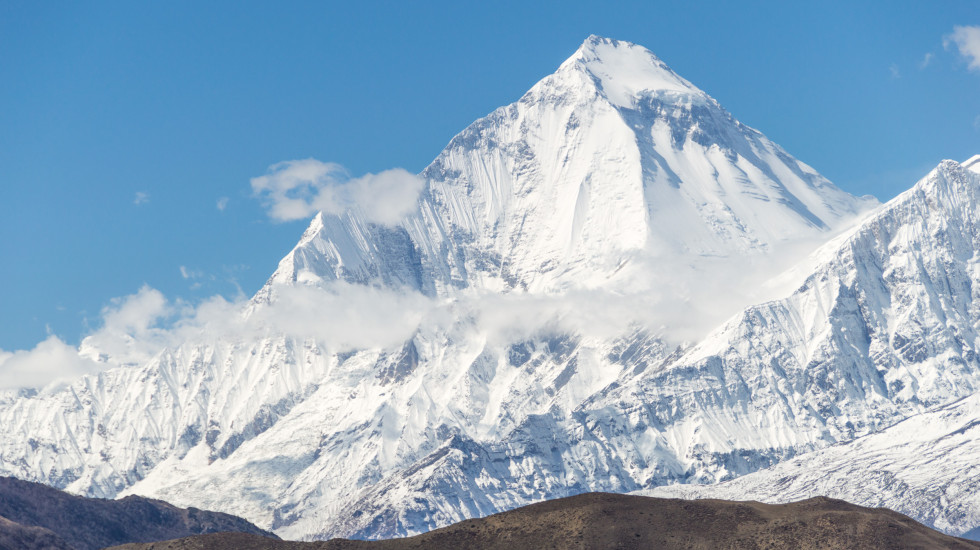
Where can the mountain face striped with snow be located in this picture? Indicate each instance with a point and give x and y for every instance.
(612, 162)
(880, 330)
(579, 305)
(925, 466)
(921, 334)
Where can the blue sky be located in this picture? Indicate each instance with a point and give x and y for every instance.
(129, 131)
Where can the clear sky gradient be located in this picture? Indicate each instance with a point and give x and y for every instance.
(129, 131)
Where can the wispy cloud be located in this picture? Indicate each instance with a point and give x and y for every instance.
(142, 197)
(926, 60)
(343, 317)
(195, 276)
(131, 331)
(137, 327)
(297, 189)
(338, 316)
(680, 301)
(967, 42)
(893, 69)
(222, 204)
(188, 273)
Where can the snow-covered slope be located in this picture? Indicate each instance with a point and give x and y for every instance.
(881, 330)
(925, 467)
(924, 323)
(558, 245)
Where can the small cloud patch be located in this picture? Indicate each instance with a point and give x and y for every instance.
(50, 362)
(966, 39)
(297, 189)
(926, 60)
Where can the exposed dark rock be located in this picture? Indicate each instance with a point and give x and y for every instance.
(17, 536)
(35, 516)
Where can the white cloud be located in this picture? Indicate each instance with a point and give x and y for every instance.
(679, 301)
(131, 331)
(50, 362)
(142, 197)
(967, 41)
(893, 69)
(343, 316)
(297, 189)
(197, 277)
(188, 273)
(926, 60)
(222, 203)
(136, 313)
(339, 316)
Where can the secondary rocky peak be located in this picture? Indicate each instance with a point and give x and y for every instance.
(951, 184)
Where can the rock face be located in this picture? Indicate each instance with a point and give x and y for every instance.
(34, 516)
(21, 537)
(586, 281)
(598, 520)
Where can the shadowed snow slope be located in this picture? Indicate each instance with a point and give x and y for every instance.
(563, 250)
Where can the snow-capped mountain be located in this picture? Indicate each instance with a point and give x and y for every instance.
(609, 164)
(880, 330)
(924, 466)
(555, 292)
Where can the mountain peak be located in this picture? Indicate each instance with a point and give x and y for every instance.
(950, 185)
(950, 173)
(625, 71)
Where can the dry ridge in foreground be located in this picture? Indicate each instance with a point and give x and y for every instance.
(603, 520)
(37, 517)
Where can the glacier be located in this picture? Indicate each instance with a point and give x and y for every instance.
(610, 284)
